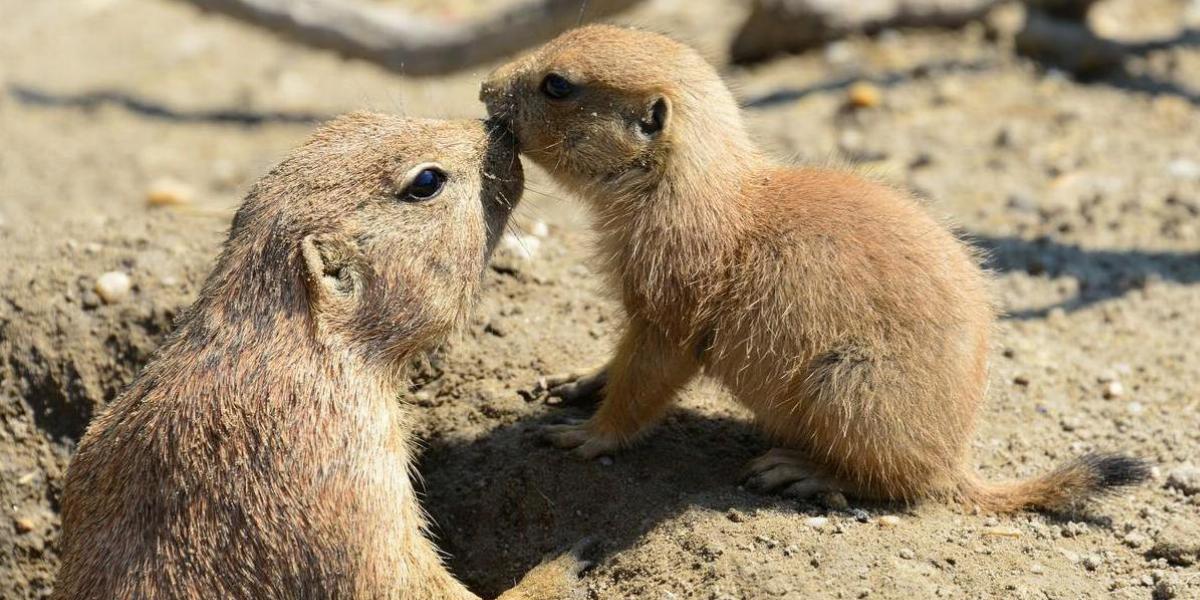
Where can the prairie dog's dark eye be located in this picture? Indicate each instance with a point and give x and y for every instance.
(557, 87)
(425, 186)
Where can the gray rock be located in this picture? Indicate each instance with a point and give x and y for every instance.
(1185, 478)
(1178, 543)
(776, 26)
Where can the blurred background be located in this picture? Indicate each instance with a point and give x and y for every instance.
(1061, 137)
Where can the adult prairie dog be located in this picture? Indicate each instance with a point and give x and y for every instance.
(262, 453)
(851, 323)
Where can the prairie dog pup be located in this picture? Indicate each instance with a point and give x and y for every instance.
(262, 453)
(851, 323)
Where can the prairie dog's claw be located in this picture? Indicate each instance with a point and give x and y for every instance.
(576, 389)
(579, 437)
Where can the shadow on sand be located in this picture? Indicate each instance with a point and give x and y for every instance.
(504, 500)
(87, 101)
(1102, 274)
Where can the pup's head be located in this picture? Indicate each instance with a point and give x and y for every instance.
(378, 229)
(600, 107)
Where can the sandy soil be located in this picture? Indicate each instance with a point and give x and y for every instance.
(1086, 196)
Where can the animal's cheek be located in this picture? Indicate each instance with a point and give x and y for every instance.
(530, 127)
(547, 136)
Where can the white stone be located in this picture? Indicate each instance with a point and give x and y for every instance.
(1184, 169)
(1114, 389)
(816, 522)
(113, 287)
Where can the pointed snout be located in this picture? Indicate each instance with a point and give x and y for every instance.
(497, 92)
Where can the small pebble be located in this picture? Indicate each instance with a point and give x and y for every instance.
(1092, 562)
(889, 521)
(1135, 408)
(1008, 532)
(907, 554)
(1073, 529)
(1185, 478)
(1134, 539)
(1113, 389)
(23, 524)
(1037, 569)
(1021, 380)
(861, 515)
(113, 287)
(169, 192)
(1183, 168)
(89, 300)
(816, 522)
(606, 461)
(840, 53)
(864, 95)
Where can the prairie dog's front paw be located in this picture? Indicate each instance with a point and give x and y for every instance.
(578, 435)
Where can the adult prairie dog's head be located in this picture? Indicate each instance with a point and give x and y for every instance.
(606, 108)
(376, 232)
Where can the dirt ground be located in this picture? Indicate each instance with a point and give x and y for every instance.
(1086, 196)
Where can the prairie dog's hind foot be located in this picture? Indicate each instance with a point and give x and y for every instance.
(786, 472)
(575, 389)
(580, 437)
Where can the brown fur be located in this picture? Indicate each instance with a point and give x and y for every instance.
(263, 453)
(849, 321)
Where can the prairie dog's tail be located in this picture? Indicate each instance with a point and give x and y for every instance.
(1069, 485)
(557, 578)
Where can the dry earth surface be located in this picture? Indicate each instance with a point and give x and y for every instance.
(1087, 197)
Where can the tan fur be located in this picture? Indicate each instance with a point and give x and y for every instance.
(849, 321)
(263, 453)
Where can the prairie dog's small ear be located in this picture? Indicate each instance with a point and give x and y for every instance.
(334, 268)
(658, 113)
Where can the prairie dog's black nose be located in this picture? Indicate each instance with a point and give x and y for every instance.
(496, 92)
(494, 95)
(487, 91)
